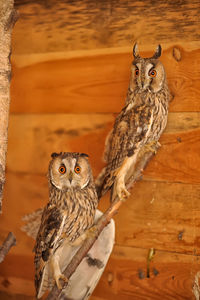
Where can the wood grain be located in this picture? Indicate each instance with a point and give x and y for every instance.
(8, 296)
(171, 276)
(49, 26)
(164, 216)
(96, 82)
(176, 161)
(7, 20)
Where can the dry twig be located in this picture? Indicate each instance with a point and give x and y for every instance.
(7, 244)
(8, 17)
(102, 222)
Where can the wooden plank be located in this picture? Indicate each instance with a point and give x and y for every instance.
(66, 25)
(163, 216)
(125, 277)
(45, 134)
(171, 276)
(8, 296)
(15, 285)
(160, 215)
(95, 82)
(32, 138)
(23, 194)
(177, 159)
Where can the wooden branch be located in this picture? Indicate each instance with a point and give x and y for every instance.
(7, 244)
(102, 222)
(8, 17)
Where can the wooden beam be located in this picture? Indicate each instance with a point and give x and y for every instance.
(159, 215)
(177, 160)
(171, 276)
(96, 82)
(51, 26)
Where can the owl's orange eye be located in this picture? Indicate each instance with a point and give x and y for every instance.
(62, 169)
(77, 169)
(152, 73)
(136, 72)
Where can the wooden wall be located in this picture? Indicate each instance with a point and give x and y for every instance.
(71, 62)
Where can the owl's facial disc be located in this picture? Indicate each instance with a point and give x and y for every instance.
(148, 75)
(70, 172)
(77, 173)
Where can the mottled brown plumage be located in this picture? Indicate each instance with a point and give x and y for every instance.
(66, 218)
(138, 126)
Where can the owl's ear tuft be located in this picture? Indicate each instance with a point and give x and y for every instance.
(54, 154)
(135, 51)
(84, 155)
(157, 54)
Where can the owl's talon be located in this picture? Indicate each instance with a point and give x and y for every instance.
(152, 147)
(60, 277)
(123, 194)
(92, 231)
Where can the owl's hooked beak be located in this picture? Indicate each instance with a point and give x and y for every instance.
(70, 177)
(143, 85)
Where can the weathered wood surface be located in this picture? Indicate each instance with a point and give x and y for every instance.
(7, 20)
(162, 212)
(49, 26)
(6, 296)
(9, 242)
(158, 215)
(96, 82)
(34, 137)
(171, 276)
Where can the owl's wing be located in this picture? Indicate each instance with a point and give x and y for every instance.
(47, 241)
(131, 130)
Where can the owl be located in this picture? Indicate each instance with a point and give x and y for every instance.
(138, 126)
(66, 219)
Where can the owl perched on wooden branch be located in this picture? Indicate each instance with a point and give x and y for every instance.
(139, 125)
(67, 218)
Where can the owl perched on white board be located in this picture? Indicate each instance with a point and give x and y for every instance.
(65, 222)
(138, 126)
(66, 218)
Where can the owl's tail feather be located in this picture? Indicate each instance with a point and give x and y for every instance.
(45, 283)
